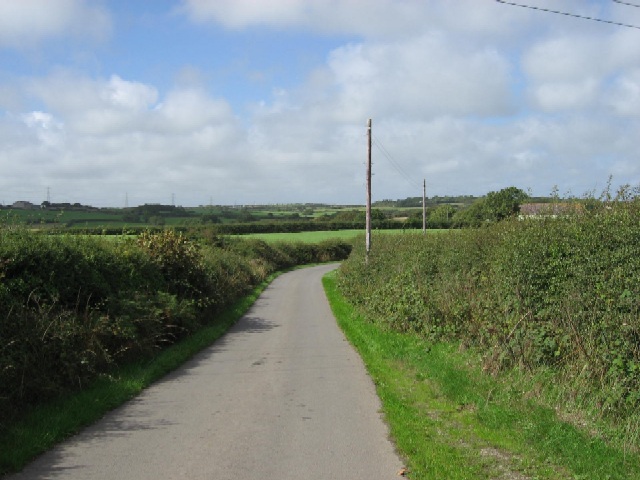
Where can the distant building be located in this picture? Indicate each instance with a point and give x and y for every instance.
(23, 205)
(553, 210)
(67, 206)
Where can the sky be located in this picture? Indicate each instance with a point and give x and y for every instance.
(116, 103)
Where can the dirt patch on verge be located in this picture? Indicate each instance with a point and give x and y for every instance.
(503, 464)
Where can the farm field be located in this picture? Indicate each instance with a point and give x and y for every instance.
(85, 217)
(252, 218)
(441, 213)
(315, 237)
(304, 237)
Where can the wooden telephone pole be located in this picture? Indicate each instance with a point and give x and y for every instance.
(368, 213)
(424, 206)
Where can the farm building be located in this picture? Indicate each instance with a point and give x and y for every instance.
(23, 205)
(538, 210)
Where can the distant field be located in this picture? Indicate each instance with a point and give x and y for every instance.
(224, 219)
(305, 237)
(315, 237)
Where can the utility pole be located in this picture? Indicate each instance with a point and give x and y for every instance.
(368, 213)
(424, 206)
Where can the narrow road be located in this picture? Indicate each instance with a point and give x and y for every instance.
(281, 396)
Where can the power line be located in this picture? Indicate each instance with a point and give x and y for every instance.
(627, 3)
(575, 15)
(395, 164)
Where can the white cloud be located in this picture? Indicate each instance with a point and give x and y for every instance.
(624, 94)
(245, 12)
(552, 96)
(574, 71)
(38, 119)
(97, 139)
(192, 109)
(334, 16)
(372, 18)
(431, 84)
(422, 77)
(473, 96)
(28, 22)
(48, 130)
(95, 106)
(129, 95)
(565, 58)
(10, 98)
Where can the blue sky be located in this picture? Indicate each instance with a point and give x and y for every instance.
(266, 101)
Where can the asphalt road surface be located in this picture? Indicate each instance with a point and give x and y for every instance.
(281, 396)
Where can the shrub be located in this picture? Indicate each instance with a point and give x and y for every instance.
(561, 293)
(73, 307)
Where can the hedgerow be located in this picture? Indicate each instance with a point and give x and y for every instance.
(555, 293)
(74, 307)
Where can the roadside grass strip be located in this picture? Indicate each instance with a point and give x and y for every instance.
(39, 429)
(449, 420)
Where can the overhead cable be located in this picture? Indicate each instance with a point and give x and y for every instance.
(394, 163)
(627, 3)
(575, 15)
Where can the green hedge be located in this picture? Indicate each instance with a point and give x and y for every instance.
(555, 293)
(73, 307)
(267, 227)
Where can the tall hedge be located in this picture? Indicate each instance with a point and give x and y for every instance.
(561, 293)
(73, 307)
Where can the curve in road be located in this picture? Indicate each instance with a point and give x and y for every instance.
(281, 396)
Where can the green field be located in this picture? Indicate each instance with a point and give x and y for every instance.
(306, 216)
(315, 237)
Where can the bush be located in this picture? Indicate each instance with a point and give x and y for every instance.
(73, 307)
(179, 263)
(558, 293)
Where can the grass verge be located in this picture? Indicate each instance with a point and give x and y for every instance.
(449, 420)
(42, 427)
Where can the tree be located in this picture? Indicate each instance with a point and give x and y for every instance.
(503, 204)
(471, 216)
(246, 215)
(442, 214)
(495, 206)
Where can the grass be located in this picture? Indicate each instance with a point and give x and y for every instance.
(42, 427)
(315, 237)
(59, 216)
(305, 237)
(451, 421)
